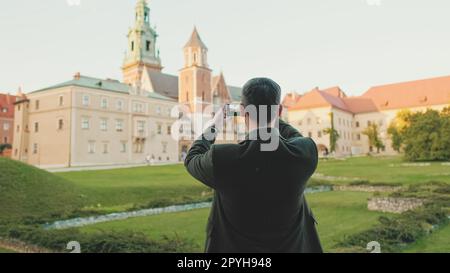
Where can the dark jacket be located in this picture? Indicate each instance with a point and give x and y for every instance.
(259, 203)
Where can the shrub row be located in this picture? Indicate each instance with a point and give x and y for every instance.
(99, 242)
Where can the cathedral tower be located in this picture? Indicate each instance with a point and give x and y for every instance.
(195, 77)
(141, 51)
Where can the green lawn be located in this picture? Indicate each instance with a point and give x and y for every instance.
(338, 214)
(3, 250)
(383, 169)
(437, 242)
(122, 189)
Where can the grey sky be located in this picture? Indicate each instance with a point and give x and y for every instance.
(299, 43)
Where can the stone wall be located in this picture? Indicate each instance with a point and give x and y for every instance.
(394, 205)
(365, 188)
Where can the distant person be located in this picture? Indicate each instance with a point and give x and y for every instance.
(147, 160)
(259, 203)
(152, 160)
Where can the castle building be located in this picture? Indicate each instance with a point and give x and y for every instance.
(90, 121)
(318, 110)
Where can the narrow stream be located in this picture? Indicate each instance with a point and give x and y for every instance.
(80, 222)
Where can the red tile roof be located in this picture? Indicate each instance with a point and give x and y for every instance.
(426, 92)
(319, 98)
(7, 102)
(411, 94)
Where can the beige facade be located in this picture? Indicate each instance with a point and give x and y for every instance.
(81, 126)
(311, 113)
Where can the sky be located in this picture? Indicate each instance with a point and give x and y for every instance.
(301, 44)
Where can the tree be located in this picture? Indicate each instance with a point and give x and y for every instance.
(4, 147)
(427, 137)
(397, 128)
(334, 135)
(374, 139)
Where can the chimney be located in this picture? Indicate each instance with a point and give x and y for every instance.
(8, 98)
(19, 92)
(77, 76)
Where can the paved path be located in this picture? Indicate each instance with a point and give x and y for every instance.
(105, 167)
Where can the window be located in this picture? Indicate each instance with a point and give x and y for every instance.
(105, 147)
(358, 136)
(119, 125)
(104, 103)
(104, 124)
(36, 105)
(147, 45)
(369, 123)
(61, 100)
(6, 126)
(132, 46)
(123, 146)
(169, 130)
(36, 127)
(18, 128)
(5, 140)
(91, 147)
(85, 100)
(85, 123)
(120, 105)
(18, 107)
(164, 145)
(35, 148)
(158, 110)
(5, 110)
(357, 124)
(60, 124)
(138, 108)
(141, 126)
(309, 134)
(319, 134)
(159, 129)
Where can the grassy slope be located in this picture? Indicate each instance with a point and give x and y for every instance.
(121, 189)
(437, 242)
(379, 169)
(26, 191)
(2, 250)
(338, 214)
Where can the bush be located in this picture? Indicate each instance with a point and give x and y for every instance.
(100, 242)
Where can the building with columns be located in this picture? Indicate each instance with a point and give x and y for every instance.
(90, 121)
(318, 110)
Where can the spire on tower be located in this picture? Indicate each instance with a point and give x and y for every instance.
(195, 40)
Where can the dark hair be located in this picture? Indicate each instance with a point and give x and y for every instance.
(262, 92)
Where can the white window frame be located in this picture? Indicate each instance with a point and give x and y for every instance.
(85, 100)
(104, 124)
(104, 103)
(85, 123)
(119, 105)
(91, 147)
(119, 125)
